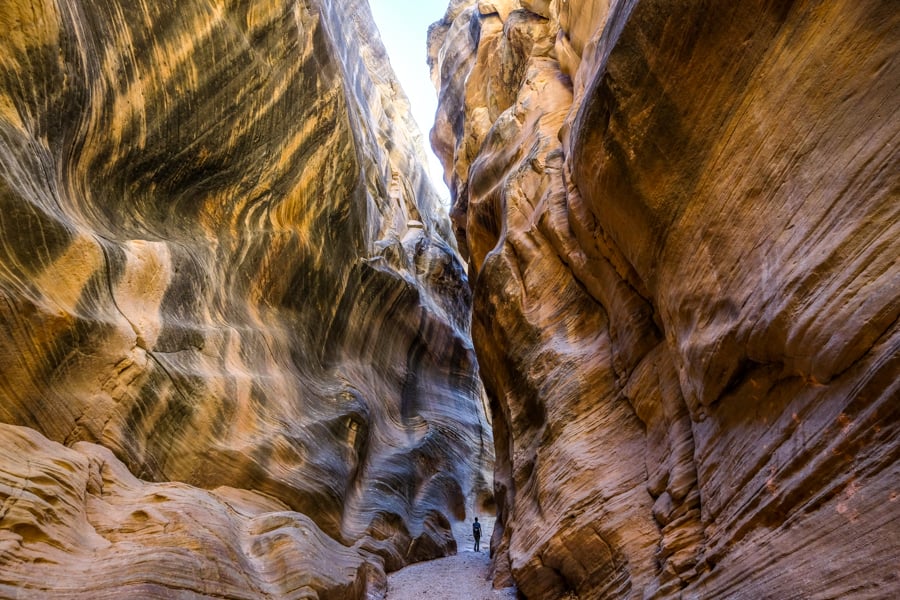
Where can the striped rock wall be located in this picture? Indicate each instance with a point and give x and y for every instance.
(682, 222)
(235, 355)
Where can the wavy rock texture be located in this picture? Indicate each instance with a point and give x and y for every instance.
(221, 260)
(122, 537)
(682, 224)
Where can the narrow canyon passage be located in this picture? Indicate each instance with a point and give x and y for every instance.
(463, 576)
(245, 352)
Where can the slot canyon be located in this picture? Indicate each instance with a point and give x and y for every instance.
(247, 352)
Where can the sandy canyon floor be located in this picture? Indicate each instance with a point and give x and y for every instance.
(464, 576)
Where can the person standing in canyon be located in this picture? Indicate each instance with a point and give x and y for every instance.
(476, 531)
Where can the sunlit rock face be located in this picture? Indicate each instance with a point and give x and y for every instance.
(222, 265)
(682, 225)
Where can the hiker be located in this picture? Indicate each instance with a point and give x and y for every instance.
(476, 531)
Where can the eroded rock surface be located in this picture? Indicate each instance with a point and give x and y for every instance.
(222, 265)
(682, 223)
(77, 522)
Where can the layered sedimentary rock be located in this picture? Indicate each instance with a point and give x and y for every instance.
(78, 524)
(224, 273)
(682, 223)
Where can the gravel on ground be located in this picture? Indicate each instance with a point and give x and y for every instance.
(464, 576)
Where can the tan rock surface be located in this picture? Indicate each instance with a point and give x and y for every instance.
(78, 524)
(222, 261)
(682, 224)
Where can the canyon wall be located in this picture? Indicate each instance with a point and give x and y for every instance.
(682, 224)
(235, 355)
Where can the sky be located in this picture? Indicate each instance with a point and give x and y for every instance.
(404, 26)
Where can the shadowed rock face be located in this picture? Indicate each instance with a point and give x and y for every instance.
(222, 265)
(682, 225)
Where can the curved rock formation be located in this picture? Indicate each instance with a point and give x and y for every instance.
(78, 525)
(221, 260)
(682, 225)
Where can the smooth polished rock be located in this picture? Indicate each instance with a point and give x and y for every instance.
(682, 228)
(221, 260)
(77, 524)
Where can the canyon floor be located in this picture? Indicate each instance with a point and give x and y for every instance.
(463, 576)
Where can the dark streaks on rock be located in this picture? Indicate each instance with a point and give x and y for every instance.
(222, 261)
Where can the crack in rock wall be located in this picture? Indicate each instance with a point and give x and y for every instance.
(223, 271)
(682, 223)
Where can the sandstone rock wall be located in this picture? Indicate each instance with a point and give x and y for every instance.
(681, 222)
(222, 265)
